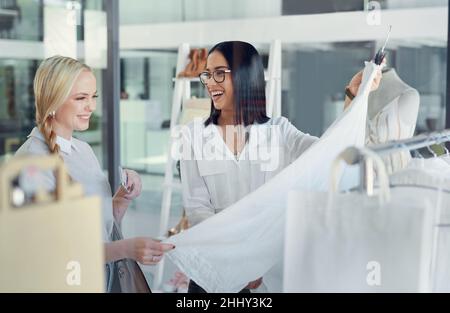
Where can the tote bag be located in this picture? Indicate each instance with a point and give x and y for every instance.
(356, 243)
(54, 244)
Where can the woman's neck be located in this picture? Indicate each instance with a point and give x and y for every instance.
(62, 131)
(226, 118)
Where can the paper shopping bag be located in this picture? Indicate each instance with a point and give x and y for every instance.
(54, 244)
(357, 243)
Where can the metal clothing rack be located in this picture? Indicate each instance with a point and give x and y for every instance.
(414, 143)
(355, 156)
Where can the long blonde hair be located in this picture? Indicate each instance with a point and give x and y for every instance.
(53, 83)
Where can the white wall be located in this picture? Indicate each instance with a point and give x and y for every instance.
(158, 11)
(394, 4)
(408, 24)
(149, 11)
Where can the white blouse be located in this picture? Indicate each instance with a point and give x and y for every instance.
(385, 126)
(83, 167)
(213, 178)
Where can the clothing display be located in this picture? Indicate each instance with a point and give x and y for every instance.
(244, 241)
(392, 115)
(197, 63)
(242, 149)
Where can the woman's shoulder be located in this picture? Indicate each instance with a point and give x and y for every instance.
(279, 121)
(84, 148)
(33, 146)
(80, 144)
(283, 126)
(197, 123)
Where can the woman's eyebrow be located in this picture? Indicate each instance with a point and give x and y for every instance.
(218, 67)
(84, 94)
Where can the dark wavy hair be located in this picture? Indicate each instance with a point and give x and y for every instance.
(247, 72)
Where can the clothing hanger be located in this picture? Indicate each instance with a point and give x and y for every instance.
(417, 153)
(418, 186)
(356, 189)
(420, 157)
(432, 152)
(447, 153)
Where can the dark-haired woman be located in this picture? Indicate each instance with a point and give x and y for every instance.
(238, 148)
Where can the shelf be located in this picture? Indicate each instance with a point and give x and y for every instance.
(8, 12)
(191, 79)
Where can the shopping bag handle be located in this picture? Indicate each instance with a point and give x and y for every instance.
(354, 155)
(12, 168)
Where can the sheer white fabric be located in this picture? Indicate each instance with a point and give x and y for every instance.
(386, 126)
(244, 241)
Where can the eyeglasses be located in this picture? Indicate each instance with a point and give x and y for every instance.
(217, 75)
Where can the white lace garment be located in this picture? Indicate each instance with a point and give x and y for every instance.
(244, 241)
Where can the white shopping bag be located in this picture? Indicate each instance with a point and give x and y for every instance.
(355, 243)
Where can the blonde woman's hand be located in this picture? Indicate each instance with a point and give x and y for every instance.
(123, 197)
(146, 251)
(134, 185)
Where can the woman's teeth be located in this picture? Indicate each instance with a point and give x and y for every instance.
(216, 94)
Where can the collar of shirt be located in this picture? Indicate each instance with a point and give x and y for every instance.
(260, 138)
(65, 145)
(259, 134)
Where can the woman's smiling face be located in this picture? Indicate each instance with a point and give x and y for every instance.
(221, 93)
(75, 113)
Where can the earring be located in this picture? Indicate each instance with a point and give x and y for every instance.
(52, 114)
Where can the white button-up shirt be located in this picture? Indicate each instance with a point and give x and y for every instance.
(213, 178)
(83, 167)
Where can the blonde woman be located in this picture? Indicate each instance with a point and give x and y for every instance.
(65, 98)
